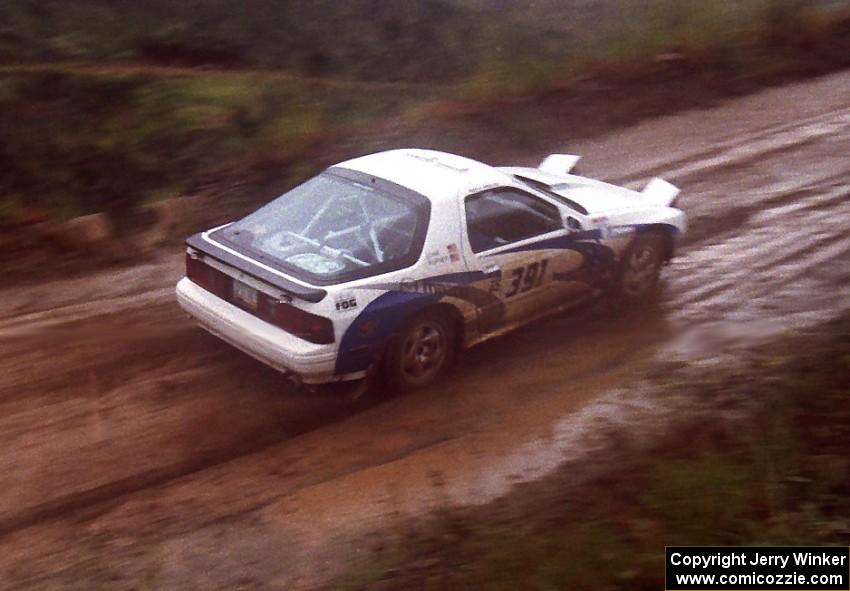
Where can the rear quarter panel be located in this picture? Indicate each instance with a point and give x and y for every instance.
(383, 303)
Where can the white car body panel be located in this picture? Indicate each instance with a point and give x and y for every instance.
(555, 269)
(263, 341)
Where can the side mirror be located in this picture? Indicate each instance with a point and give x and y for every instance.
(572, 223)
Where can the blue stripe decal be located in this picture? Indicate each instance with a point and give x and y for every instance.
(381, 318)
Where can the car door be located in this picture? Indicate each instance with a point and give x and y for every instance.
(514, 244)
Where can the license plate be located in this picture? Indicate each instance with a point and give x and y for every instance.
(245, 295)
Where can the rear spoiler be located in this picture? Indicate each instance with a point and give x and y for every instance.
(558, 163)
(289, 287)
(660, 192)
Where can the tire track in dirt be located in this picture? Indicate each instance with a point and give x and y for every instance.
(734, 269)
(748, 148)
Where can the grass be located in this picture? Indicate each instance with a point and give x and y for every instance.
(778, 474)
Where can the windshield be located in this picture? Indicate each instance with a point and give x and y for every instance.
(333, 229)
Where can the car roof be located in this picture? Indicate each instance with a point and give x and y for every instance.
(440, 176)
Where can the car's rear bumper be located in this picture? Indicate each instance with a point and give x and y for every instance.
(305, 361)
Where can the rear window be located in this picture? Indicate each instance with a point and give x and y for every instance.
(334, 228)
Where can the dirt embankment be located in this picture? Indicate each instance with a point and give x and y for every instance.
(172, 460)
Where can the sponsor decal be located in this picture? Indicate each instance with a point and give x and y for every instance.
(617, 231)
(437, 257)
(425, 286)
(346, 303)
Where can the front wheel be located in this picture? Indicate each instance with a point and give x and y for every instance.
(420, 352)
(641, 267)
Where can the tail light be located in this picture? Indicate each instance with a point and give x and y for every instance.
(310, 327)
(209, 278)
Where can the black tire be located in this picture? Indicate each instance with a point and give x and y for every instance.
(640, 268)
(420, 352)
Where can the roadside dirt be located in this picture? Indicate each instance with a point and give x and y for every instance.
(139, 451)
(710, 466)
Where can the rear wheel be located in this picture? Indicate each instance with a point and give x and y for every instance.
(421, 351)
(641, 266)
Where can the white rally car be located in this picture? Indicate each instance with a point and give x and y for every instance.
(397, 260)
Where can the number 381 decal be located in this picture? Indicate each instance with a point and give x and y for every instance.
(526, 278)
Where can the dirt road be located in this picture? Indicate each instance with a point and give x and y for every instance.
(139, 451)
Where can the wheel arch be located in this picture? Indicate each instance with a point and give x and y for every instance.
(388, 360)
(443, 308)
(454, 314)
(668, 234)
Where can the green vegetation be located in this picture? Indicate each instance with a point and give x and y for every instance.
(358, 39)
(779, 474)
(105, 104)
(81, 140)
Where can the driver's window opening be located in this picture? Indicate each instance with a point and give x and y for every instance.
(499, 217)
